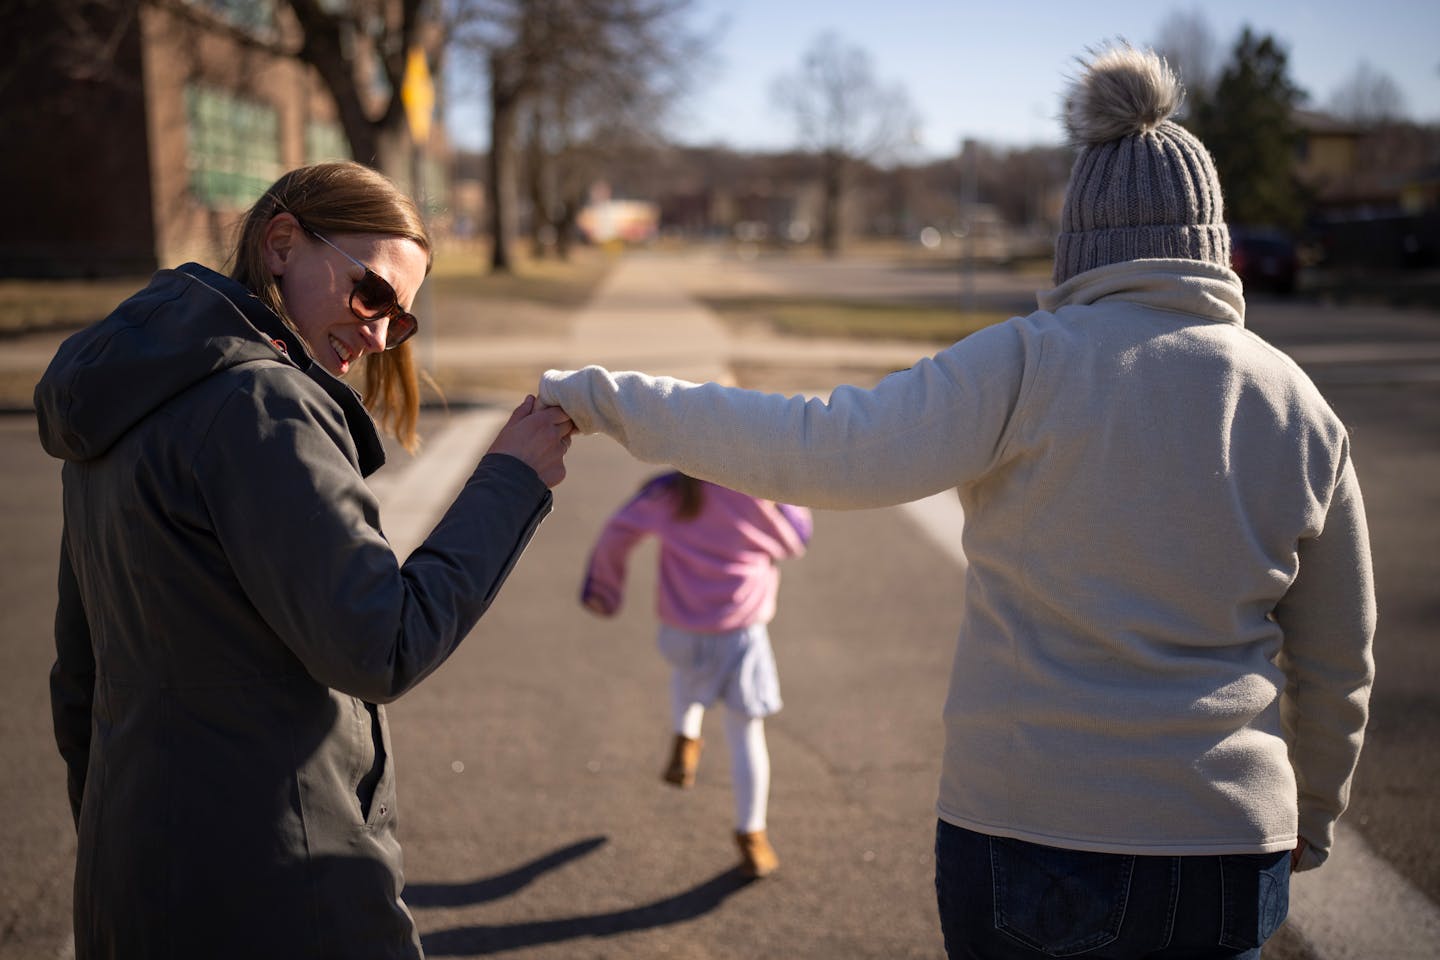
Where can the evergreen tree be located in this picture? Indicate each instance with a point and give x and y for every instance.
(1248, 123)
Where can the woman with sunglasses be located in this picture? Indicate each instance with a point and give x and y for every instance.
(230, 614)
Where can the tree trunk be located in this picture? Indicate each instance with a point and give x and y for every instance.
(324, 49)
(832, 226)
(565, 230)
(501, 185)
(537, 177)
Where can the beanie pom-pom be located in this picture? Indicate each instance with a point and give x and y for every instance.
(1122, 91)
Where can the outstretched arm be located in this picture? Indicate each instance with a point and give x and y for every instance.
(324, 578)
(603, 592)
(936, 425)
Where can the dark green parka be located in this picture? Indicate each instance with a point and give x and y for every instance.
(230, 616)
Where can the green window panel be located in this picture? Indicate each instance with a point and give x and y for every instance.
(254, 15)
(234, 146)
(325, 141)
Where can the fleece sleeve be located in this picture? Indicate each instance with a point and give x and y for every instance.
(605, 574)
(800, 520)
(1328, 619)
(791, 527)
(934, 426)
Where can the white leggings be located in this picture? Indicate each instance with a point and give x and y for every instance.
(749, 756)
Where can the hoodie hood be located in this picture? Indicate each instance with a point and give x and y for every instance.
(1181, 286)
(188, 324)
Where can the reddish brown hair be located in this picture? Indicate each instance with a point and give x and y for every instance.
(343, 197)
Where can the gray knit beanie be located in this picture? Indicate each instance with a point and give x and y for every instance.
(1142, 185)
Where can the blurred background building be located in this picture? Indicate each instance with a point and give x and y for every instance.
(142, 130)
(139, 130)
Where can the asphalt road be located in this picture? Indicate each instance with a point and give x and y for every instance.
(533, 816)
(1380, 370)
(532, 813)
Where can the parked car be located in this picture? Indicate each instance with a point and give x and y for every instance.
(1264, 259)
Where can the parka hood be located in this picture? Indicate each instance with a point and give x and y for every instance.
(188, 324)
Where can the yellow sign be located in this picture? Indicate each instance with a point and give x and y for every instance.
(417, 93)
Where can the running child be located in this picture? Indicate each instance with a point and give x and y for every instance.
(718, 583)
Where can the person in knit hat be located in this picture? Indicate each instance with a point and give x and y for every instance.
(1161, 682)
(1142, 187)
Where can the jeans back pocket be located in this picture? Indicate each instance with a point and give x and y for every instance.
(1256, 897)
(1060, 902)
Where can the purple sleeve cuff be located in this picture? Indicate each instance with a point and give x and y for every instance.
(801, 519)
(609, 599)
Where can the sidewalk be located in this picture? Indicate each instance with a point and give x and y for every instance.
(644, 317)
(22, 361)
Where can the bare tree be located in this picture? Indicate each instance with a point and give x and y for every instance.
(575, 55)
(81, 40)
(1188, 44)
(1368, 97)
(333, 34)
(605, 104)
(565, 150)
(337, 39)
(845, 114)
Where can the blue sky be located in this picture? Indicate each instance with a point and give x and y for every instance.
(994, 69)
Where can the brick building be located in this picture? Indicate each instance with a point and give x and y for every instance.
(137, 134)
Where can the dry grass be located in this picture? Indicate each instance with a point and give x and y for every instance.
(30, 305)
(462, 271)
(807, 317)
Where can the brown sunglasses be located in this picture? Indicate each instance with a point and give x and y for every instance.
(373, 298)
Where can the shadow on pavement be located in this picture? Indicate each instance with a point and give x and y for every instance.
(483, 939)
(500, 885)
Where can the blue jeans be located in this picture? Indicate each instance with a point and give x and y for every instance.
(1003, 899)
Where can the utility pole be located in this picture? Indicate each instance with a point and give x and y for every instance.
(969, 162)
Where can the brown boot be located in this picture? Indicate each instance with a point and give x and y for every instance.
(758, 857)
(684, 758)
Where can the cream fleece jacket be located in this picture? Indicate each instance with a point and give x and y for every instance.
(1166, 643)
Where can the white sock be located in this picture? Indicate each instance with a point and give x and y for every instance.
(749, 769)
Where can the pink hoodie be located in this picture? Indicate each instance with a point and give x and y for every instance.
(717, 569)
